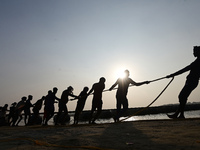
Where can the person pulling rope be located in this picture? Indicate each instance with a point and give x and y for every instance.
(122, 91)
(152, 101)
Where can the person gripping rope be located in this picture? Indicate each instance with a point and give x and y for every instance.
(97, 99)
(62, 105)
(123, 84)
(191, 83)
(80, 104)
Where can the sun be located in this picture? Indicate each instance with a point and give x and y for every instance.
(119, 73)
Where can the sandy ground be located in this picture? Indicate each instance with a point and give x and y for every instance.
(137, 135)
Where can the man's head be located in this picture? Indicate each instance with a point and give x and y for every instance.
(13, 104)
(30, 97)
(126, 72)
(85, 89)
(50, 92)
(196, 51)
(102, 80)
(24, 98)
(55, 89)
(70, 88)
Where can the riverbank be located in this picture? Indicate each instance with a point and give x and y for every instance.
(144, 135)
(140, 111)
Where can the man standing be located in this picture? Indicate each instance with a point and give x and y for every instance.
(80, 104)
(18, 111)
(123, 84)
(97, 98)
(62, 104)
(190, 84)
(38, 106)
(49, 105)
(27, 111)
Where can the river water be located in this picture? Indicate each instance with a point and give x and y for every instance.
(188, 114)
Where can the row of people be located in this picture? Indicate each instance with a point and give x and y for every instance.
(97, 89)
(15, 113)
(51, 98)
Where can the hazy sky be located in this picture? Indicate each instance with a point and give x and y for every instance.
(48, 43)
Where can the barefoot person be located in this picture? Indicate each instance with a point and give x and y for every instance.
(123, 84)
(191, 83)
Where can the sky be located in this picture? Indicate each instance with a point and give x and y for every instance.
(61, 43)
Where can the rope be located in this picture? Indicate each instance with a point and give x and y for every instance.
(134, 85)
(152, 101)
(129, 86)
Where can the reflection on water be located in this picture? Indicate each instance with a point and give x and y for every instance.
(188, 114)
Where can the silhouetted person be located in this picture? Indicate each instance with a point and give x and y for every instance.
(46, 106)
(49, 105)
(97, 98)
(35, 118)
(191, 83)
(27, 111)
(11, 113)
(3, 111)
(80, 104)
(62, 104)
(123, 84)
(18, 111)
(37, 106)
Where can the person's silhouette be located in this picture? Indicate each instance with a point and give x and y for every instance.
(97, 98)
(191, 83)
(27, 111)
(36, 109)
(3, 110)
(11, 114)
(80, 104)
(123, 84)
(37, 106)
(18, 111)
(49, 105)
(62, 107)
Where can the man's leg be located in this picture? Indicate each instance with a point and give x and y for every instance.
(118, 105)
(99, 109)
(183, 96)
(91, 113)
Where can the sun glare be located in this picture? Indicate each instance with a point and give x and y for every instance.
(120, 73)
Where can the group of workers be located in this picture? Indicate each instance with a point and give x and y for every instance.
(15, 114)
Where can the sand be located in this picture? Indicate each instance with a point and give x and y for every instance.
(136, 135)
